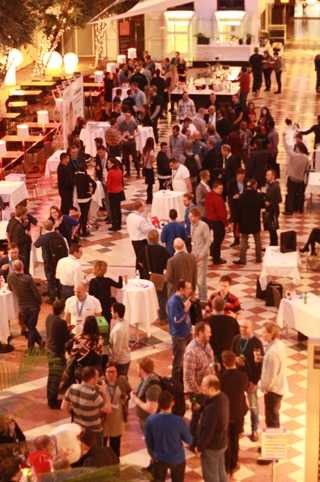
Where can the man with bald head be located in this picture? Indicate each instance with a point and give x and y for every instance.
(181, 265)
(249, 351)
(79, 306)
(29, 301)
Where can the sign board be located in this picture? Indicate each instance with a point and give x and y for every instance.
(274, 444)
(72, 107)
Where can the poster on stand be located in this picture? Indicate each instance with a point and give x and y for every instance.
(72, 107)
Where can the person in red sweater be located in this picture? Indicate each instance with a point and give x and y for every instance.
(216, 214)
(115, 191)
(244, 80)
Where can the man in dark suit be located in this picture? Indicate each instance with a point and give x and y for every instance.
(230, 164)
(250, 204)
(18, 235)
(182, 265)
(7, 260)
(235, 188)
(65, 183)
(211, 161)
(223, 329)
(258, 163)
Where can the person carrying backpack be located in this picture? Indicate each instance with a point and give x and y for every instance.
(53, 247)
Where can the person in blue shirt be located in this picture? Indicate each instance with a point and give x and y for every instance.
(165, 434)
(178, 308)
(172, 230)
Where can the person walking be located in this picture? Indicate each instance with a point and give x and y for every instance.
(278, 69)
(85, 188)
(29, 301)
(250, 204)
(246, 346)
(178, 308)
(255, 62)
(273, 199)
(212, 440)
(273, 381)
(19, 235)
(317, 69)
(65, 183)
(200, 245)
(115, 190)
(216, 214)
(267, 66)
(138, 227)
(201, 190)
(119, 340)
(148, 161)
(182, 265)
(165, 434)
(57, 335)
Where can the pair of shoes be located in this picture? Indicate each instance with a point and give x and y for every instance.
(235, 243)
(238, 261)
(55, 405)
(220, 261)
(254, 437)
(277, 92)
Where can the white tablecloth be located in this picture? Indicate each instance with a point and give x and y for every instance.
(13, 192)
(3, 230)
(16, 176)
(279, 264)
(141, 302)
(313, 186)
(299, 316)
(142, 135)
(8, 311)
(53, 163)
(163, 201)
(90, 132)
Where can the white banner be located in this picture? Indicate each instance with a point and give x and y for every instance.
(72, 107)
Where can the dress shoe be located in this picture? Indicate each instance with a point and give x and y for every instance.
(239, 262)
(220, 261)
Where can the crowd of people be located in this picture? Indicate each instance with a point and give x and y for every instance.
(223, 159)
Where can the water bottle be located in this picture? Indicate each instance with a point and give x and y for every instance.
(138, 277)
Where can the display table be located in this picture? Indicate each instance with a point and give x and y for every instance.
(304, 318)
(201, 96)
(224, 52)
(3, 230)
(13, 192)
(53, 163)
(279, 264)
(8, 312)
(90, 132)
(313, 186)
(163, 201)
(141, 302)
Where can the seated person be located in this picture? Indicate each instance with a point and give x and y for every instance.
(7, 260)
(93, 455)
(314, 237)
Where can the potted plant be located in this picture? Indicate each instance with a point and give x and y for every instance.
(202, 39)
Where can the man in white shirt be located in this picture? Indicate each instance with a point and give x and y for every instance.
(138, 227)
(119, 339)
(79, 306)
(69, 271)
(180, 177)
(200, 242)
(273, 377)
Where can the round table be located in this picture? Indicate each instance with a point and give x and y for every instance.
(141, 302)
(8, 311)
(165, 200)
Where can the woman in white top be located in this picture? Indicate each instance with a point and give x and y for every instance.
(148, 160)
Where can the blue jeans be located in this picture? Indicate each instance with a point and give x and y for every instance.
(213, 465)
(29, 316)
(254, 409)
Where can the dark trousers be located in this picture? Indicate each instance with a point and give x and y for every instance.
(139, 249)
(160, 469)
(66, 201)
(114, 443)
(25, 258)
(123, 368)
(162, 299)
(232, 452)
(273, 237)
(278, 79)
(29, 316)
(218, 237)
(318, 81)
(129, 150)
(295, 196)
(115, 208)
(272, 404)
(56, 366)
(155, 129)
(66, 291)
(84, 209)
(179, 344)
(52, 282)
(267, 78)
(314, 237)
(257, 80)
(115, 151)
(243, 99)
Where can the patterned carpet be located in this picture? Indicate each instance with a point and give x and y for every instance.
(298, 102)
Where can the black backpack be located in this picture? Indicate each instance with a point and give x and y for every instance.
(176, 390)
(57, 249)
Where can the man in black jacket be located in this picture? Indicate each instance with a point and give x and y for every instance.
(250, 204)
(29, 301)
(17, 234)
(53, 248)
(235, 188)
(259, 161)
(212, 439)
(273, 199)
(249, 351)
(230, 164)
(65, 183)
(223, 329)
(85, 187)
(255, 62)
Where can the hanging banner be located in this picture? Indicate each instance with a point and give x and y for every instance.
(72, 107)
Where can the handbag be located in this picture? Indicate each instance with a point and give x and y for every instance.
(157, 279)
(103, 325)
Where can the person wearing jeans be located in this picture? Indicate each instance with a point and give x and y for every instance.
(29, 301)
(200, 242)
(165, 434)
(273, 376)
(212, 437)
(178, 308)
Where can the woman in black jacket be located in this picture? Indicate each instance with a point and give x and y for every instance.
(85, 187)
